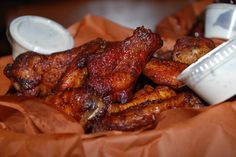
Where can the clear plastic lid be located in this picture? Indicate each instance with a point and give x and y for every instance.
(209, 62)
(40, 34)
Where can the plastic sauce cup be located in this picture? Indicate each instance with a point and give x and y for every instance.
(220, 21)
(213, 76)
(38, 34)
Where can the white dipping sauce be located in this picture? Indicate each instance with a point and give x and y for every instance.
(38, 34)
(218, 85)
(213, 76)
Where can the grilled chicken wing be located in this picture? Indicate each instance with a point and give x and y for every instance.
(66, 79)
(81, 104)
(189, 49)
(87, 82)
(113, 73)
(164, 72)
(148, 93)
(35, 74)
(144, 115)
(112, 67)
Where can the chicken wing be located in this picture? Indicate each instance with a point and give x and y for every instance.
(81, 104)
(112, 67)
(35, 74)
(164, 72)
(148, 93)
(142, 116)
(189, 49)
(82, 81)
(113, 73)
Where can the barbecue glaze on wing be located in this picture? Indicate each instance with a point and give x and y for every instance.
(114, 72)
(35, 74)
(82, 82)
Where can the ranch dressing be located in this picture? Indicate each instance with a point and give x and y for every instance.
(213, 76)
(39, 34)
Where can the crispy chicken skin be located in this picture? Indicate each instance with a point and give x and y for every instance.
(148, 93)
(189, 49)
(109, 68)
(164, 72)
(94, 83)
(144, 115)
(82, 81)
(80, 103)
(113, 73)
(35, 74)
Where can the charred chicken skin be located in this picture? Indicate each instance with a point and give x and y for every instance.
(82, 81)
(112, 67)
(35, 74)
(114, 72)
(94, 83)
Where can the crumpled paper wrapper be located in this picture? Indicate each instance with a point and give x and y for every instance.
(179, 24)
(28, 127)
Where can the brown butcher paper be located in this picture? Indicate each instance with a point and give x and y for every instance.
(28, 127)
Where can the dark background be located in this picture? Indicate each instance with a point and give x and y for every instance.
(131, 13)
